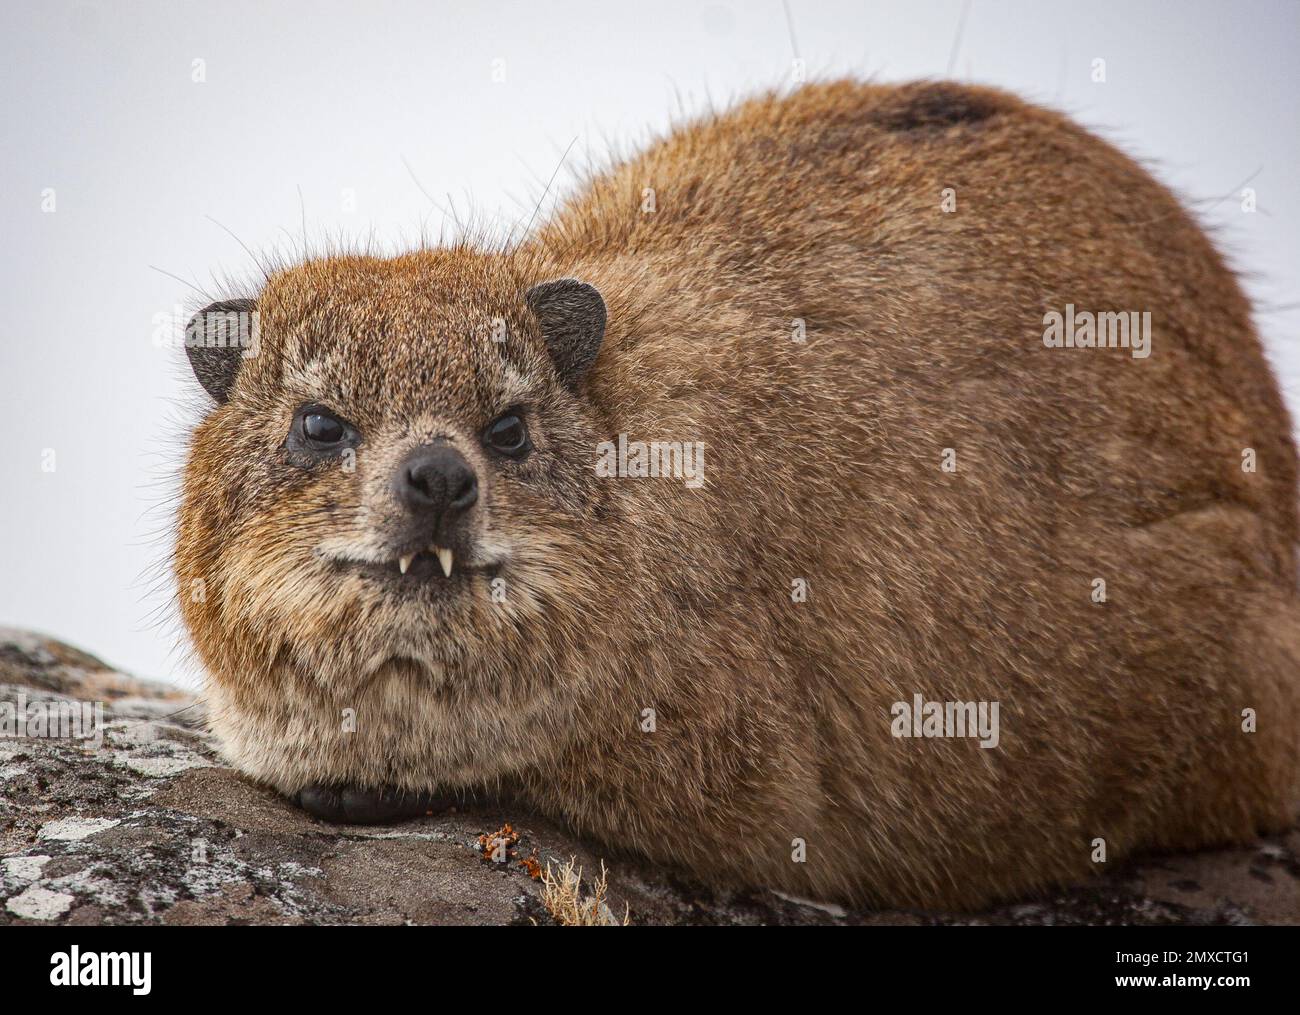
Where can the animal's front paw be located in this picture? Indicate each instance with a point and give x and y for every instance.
(352, 805)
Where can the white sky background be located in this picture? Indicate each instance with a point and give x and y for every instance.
(97, 101)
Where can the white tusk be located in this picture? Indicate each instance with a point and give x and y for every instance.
(445, 559)
(404, 562)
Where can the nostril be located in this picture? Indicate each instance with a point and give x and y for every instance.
(425, 483)
(464, 491)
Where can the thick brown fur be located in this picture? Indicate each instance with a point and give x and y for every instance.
(1120, 720)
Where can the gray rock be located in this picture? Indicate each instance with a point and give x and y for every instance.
(146, 825)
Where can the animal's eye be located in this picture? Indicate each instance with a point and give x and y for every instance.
(322, 429)
(318, 429)
(508, 436)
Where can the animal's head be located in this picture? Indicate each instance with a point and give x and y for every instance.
(398, 466)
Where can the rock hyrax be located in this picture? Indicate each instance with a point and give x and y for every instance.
(878, 494)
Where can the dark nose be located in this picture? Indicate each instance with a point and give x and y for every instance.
(436, 483)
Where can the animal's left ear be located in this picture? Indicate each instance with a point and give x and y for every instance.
(215, 340)
(572, 315)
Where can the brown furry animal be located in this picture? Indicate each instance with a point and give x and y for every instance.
(913, 485)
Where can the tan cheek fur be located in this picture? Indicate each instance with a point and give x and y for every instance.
(1119, 721)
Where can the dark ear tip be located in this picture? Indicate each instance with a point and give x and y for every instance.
(226, 306)
(568, 291)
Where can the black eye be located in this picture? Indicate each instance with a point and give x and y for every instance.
(322, 429)
(318, 429)
(508, 436)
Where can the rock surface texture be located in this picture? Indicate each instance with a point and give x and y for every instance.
(141, 822)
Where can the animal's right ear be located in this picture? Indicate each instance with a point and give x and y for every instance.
(215, 340)
(572, 315)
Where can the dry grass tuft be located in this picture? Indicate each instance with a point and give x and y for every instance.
(564, 899)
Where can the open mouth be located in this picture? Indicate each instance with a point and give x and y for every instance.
(446, 559)
(436, 564)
